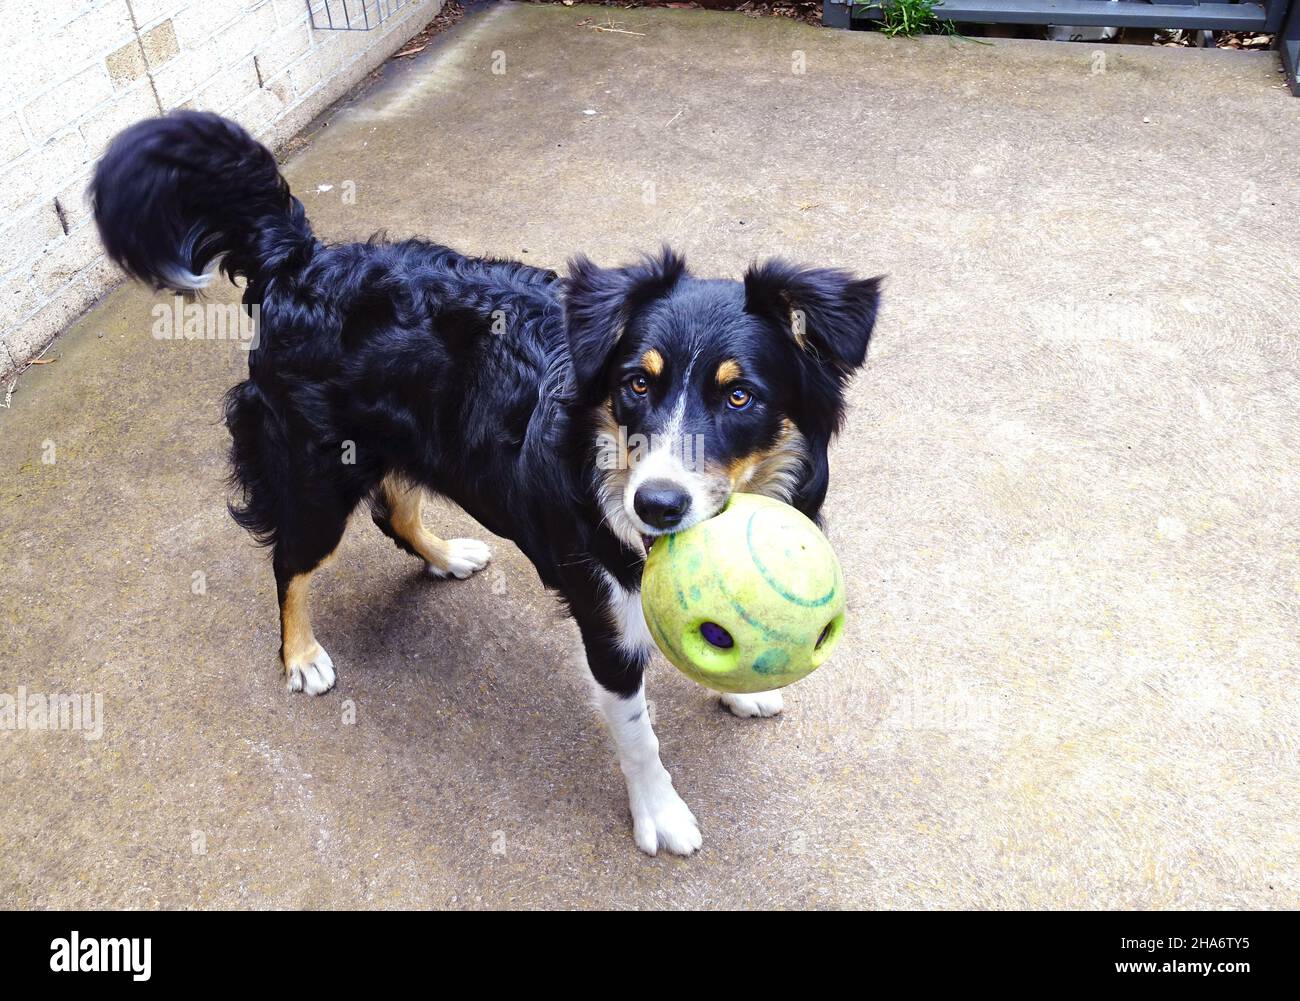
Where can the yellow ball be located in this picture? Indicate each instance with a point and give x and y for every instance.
(748, 601)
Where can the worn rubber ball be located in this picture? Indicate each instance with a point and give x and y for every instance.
(750, 600)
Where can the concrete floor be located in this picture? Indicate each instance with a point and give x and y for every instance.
(1066, 506)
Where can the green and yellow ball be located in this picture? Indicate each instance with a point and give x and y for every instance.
(748, 601)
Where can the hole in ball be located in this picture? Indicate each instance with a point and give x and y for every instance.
(715, 635)
(826, 631)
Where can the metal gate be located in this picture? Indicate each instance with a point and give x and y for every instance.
(1263, 16)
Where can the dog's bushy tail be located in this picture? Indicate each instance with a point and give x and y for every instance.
(173, 195)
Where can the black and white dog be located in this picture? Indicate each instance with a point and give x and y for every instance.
(579, 417)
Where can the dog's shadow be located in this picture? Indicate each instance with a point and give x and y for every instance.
(389, 624)
(494, 677)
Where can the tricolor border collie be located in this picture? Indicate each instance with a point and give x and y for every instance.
(577, 416)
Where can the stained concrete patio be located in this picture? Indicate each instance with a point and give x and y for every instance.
(1066, 505)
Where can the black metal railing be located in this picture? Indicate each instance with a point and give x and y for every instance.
(351, 15)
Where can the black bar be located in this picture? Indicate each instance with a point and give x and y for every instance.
(835, 15)
(1217, 16)
(987, 950)
(1288, 43)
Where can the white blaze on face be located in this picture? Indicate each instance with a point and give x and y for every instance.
(669, 456)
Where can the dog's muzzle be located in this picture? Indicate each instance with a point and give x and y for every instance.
(661, 504)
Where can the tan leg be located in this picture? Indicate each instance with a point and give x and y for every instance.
(307, 667)
(443, 557)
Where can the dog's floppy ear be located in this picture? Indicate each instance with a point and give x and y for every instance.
(825, 316)
(599, 302)
(828, 313)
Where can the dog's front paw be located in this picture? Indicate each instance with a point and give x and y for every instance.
(460, 558)
(312, 673)
(757, 704)
(660, 819)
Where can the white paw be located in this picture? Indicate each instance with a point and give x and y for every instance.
(757, 704)
(659, 817)
(464, 556)
(314, 674)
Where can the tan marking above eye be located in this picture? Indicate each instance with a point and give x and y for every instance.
(728, 371)
(653, 362)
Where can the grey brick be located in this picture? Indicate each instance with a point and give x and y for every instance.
(25, 239)
(180, 78)
(111, 118)
(229, 88)
(67, 101)
(41, 171)
(197, 22)
(64, 260)
(35, 61)
(282, 49)
(13, 143)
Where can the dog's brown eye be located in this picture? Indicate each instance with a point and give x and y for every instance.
(739, 399)
(639, 384)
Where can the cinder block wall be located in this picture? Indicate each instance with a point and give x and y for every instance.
(75, 72)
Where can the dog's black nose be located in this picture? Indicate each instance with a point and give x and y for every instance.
(661, 503)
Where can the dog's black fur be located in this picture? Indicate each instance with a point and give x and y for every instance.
(485, 381)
